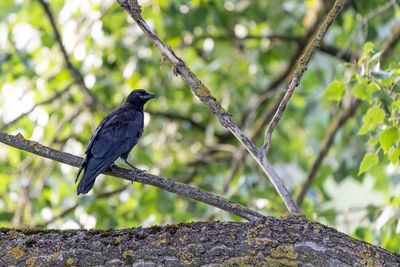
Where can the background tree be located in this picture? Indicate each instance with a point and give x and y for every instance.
(58, 83)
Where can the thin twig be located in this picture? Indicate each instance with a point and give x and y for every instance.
(237, 209)
(205, 96)
(90, 98)
(301, 68)
(364, 21)
(282, 76)
(44, 102)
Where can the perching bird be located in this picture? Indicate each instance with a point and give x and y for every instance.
(115, 136)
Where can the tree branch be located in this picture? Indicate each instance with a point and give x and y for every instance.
(237, 209)
(391, 43)
(341, 119)
(90, 98)
(289, 241)
(336, 124)
(44, 102)
(301, 68)
(205, 96)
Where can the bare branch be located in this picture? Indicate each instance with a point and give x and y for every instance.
(301, 68)
(391, 43)
(90, 98)
(205, 96)
(237, 209)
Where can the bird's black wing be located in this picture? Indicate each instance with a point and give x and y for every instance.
(116, 136)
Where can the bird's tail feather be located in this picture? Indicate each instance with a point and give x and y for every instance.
(83, 165)
(92, 169)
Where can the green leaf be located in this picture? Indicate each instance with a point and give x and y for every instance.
(388, 137)
(394, 155)
(334, 91)
(369, 160)
(364, 90)
(396, 104)
(360, 91)
(373, 141)
(374, 116)
(368, 48)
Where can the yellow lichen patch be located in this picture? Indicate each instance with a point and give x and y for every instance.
(158, 243)
(127, 253)
(36, 145)
(17, 253)
(281, 262)
(70, 261)
(317, 226)
(367, 259)
(30, 261)
(284, 252)
(252, 236)
(266, 242)
(233, 236)
(186, 256)
(20, 136)
(55, 255)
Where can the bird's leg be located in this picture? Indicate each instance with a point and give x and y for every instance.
(133, 167)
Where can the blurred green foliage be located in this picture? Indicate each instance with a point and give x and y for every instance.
(226, 44)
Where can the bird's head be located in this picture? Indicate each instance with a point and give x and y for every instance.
(139, 97)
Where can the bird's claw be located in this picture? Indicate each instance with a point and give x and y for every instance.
(139, 171)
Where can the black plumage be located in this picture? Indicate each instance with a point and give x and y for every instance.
(115, 136)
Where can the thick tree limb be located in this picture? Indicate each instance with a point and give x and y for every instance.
(205, 96)
(301, 68)
(290, 241)
(237, 209)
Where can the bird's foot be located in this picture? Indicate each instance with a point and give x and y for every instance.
(112, 166)
(137, 171)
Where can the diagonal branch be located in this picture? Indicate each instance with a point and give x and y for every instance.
(301, 68)
(205, 96)
(237, 209)
(336, 124)
(90, 98)
(341, 119)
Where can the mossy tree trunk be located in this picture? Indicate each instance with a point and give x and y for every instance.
(291, 241)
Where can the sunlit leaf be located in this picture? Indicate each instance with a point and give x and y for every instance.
(369, 160)
(368, 48)
(334, 91)
(388, 137)
(394, 155)
(374, 116)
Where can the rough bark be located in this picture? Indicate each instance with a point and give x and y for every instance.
(289, 241)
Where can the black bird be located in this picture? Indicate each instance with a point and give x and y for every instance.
(115, 136)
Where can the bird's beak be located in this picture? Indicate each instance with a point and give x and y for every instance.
(148, 96)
